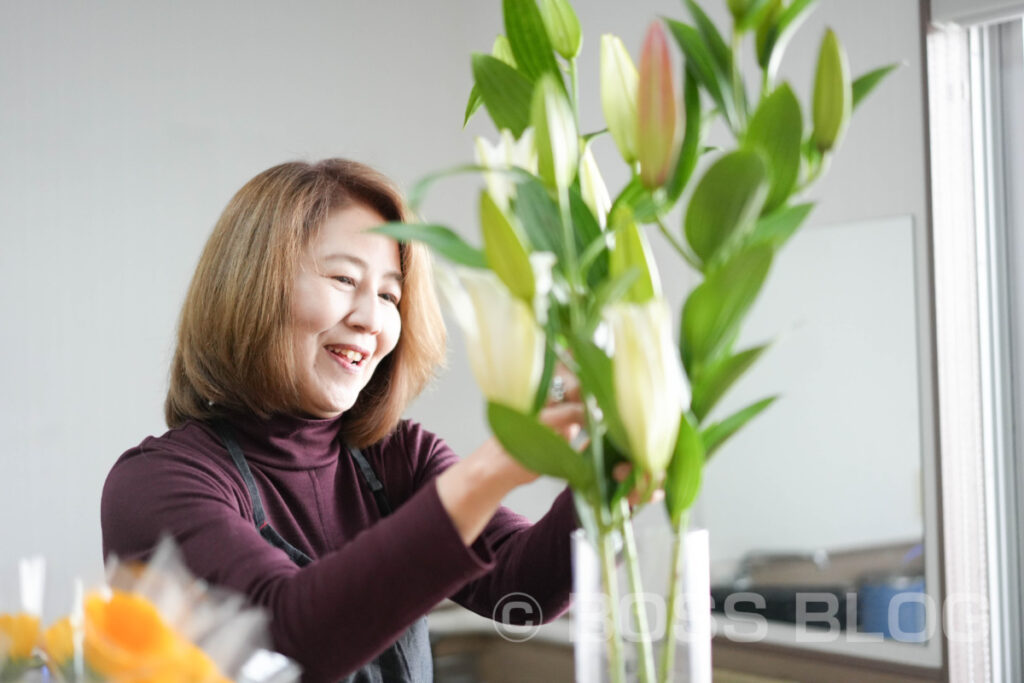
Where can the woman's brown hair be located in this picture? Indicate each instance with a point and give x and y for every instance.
(234, 353)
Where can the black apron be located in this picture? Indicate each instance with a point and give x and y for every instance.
(408, 659)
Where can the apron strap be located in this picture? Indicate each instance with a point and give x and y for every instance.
(370, 477)
(259, 515)
(268, 532)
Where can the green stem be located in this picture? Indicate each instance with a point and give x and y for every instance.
(574, 80)
(575, 285)
(668, 651)
(679, 247)
(616, 656)
(646, 650)
(737, 84)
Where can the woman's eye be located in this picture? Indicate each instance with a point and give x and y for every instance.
(344, 279)
(390, 298)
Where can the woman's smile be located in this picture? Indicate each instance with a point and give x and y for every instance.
(345, 316)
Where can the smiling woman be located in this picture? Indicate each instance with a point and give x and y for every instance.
(288, 473)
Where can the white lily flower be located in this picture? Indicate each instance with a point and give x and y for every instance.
(650, 389)
(506, 153)
(504, 342)
(592, 187)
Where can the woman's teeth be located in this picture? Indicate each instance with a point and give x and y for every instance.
(352, 356)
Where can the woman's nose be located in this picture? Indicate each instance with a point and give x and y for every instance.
(365, 314)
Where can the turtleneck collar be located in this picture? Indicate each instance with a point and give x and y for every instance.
(288, 442)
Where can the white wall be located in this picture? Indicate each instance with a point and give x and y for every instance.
(125, 128)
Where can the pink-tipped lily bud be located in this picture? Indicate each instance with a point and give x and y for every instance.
(656, 110)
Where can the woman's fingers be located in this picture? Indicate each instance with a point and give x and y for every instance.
(565, 418)
(622, 471)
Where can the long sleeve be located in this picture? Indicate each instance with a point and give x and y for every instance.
(534, 559)
(332, 616)
(371, 577)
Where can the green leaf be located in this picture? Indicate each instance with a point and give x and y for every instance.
(631, 250)
(528, 37)
(588, 233)
(755, 13)
(608, 292)
(501, 50)
(683, 477)
(475, 100)
(587, 228)
(550, 361)
(783, 23)
(690, 150)
(595, 257)
(539, 216)
(538, 447)
(594, 369)
(505, 92)
(719, 51)
(777, 131)
(776, 228)
(833, 94)
(505, 252)
(439, 238)
(418, 192)
(714, 310)
(726, 202)
(865, 83)
(638, 199)
(563, 27)
(703, 65)
(715, 435)
(711, 383)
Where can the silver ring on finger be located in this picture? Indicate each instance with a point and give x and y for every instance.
(556, 392)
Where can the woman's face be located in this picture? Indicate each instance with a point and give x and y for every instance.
(344, 316)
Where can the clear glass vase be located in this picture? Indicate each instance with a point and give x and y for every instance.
(594, 613)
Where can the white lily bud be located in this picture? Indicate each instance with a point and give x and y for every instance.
(592, 187)
(650, 389)
(557, 139)
(619, 80)
(504, 343)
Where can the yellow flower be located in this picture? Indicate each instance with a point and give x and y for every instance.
(58, 641)
(127, 635)
(19, 635)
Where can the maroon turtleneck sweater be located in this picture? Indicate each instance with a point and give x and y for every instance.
(371, 577)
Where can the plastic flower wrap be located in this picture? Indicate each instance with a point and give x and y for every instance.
(151, 623)
(20, 628)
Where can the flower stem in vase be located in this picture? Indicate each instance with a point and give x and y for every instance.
(616, 659)
(645, 654)
(668, 651)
